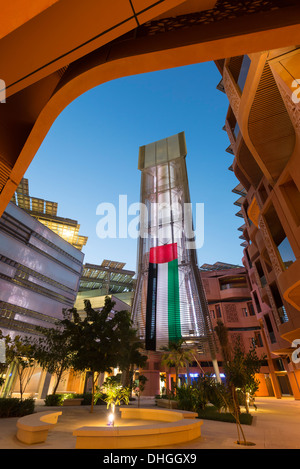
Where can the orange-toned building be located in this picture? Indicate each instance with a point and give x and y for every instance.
(263, 126)
(43, 72)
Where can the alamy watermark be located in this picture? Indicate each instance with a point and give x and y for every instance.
(296, 354)
(296, 93)
(2, 91)
(156, 220)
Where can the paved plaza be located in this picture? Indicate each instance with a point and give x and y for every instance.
(275, 426)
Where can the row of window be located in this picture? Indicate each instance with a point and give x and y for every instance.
(248, 311)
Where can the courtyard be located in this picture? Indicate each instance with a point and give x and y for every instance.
(275, 426)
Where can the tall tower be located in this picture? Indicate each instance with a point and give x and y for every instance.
(169, 302)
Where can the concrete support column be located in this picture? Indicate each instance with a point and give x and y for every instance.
(273, 377)
(294, 378)
(152, 386)
(44, 385)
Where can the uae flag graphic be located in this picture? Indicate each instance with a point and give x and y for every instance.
(163, 301)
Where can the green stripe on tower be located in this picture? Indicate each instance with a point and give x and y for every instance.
(174, 325)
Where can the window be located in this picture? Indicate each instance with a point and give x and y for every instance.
(239, 67)
(243, 72)
(279, 237)
(233, 124)
(233, 282)
(270, 329)
(292, 197)
(248, 258)
(258, 339)
(257, 303)
(245, 312)
(279, 303)
(250, 308)
(263, 195)
(218, 311)
(261, 273)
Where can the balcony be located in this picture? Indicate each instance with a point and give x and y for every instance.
(289, 283)
(232, 291)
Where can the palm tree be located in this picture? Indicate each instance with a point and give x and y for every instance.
(177, 355)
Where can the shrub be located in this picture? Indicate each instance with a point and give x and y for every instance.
(54, 399)
(187, 398)
(87, 398)
(14, 407)
(212, 413)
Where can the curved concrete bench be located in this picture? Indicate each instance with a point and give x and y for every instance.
(156, 414)
(169, 427)
(34, 428)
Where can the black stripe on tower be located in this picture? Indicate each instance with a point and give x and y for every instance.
(151, 308)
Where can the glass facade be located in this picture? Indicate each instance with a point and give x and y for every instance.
(39, 273)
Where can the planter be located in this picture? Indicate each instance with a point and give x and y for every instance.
(69, 402)
(166, 403)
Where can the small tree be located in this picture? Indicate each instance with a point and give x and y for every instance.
(53, 351)
(114, 394)
(96, 339)
(240, 369)
(140, 387)
(4, 341)
(129, 351)
(20, 353)
(177, 355)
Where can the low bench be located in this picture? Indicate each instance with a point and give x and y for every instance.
(155, 414)
(168, 427)
(34, 428)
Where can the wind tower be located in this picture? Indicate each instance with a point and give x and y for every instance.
(169, 302)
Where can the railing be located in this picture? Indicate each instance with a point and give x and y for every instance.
(282, 314)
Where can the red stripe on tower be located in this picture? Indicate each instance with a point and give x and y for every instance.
(162, 254)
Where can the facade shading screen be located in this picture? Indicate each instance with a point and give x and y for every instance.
(169, 302)
(163, 299)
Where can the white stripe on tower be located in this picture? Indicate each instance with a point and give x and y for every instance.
(162, 332)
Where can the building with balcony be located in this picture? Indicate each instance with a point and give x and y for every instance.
(228, 294)
(263, 126)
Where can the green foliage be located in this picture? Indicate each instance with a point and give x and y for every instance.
(187, 398)
(88, 397)
(129, 350)
(97, 341)
(54, 400)
(20, 352)
(177, 355)
(240, 369)
(113, 393)
(204, 392)
(212, 413)
(15, 407)
(53, 350)
(4, 366)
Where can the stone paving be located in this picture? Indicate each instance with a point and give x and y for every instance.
(275, 425)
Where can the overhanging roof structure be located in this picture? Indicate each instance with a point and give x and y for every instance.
(110, 277)
(45, 212)
(218, 266)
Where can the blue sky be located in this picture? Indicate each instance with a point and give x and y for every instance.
(90, 156)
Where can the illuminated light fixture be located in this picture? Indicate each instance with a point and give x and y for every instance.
(111, 420)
